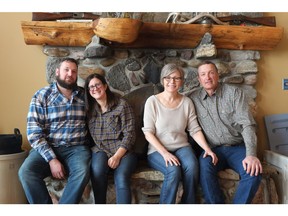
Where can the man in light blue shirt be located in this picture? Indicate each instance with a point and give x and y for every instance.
(56, 130)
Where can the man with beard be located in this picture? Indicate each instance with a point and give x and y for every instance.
(57, 133)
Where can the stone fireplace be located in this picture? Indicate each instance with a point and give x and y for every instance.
(135, 72)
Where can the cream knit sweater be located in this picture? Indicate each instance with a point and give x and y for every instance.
(170, 125)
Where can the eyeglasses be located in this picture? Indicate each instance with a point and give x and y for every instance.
(97, 85)
(176, 79)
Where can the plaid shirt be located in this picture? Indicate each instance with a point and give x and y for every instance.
(225, 117)
(53, 120)
(113, 129)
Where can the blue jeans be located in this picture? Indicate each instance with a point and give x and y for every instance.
(122, 175)
(76, 160)
(228, 157)
(187, 172)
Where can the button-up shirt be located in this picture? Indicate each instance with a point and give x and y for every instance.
(53, 120)
(225, 117)
(113, 129)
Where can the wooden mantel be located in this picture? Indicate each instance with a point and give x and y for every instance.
(57, 33)
(151, 35)
(164, 35)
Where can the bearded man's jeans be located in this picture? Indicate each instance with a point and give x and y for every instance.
(76, 161)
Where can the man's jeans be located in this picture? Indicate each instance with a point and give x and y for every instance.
(122, 175)
(76, 160)
(187, 172)
(228, 157)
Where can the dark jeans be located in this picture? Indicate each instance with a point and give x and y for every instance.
(228, 157)
(76, 160)
(122, 175)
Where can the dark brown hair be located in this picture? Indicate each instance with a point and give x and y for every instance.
(68, 60)
(90, 102)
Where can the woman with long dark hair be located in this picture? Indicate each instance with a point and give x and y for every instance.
(111, 123)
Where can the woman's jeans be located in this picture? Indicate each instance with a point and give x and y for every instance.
(75, 159)
(187, 172)
(228, 157)
(122, 175)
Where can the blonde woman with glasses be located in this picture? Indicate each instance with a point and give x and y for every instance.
(168, 116)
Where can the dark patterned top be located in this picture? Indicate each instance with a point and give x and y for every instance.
(113, 129)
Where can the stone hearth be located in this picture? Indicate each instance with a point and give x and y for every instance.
(146, 185)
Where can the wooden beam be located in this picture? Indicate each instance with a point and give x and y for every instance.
(151, 35)
(124, 30)
(57, 33)
(168, 35)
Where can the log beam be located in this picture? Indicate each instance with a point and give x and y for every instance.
(167, 35)
(153, 35)
(57, 33)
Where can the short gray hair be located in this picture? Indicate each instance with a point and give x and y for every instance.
(169, 69)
